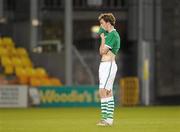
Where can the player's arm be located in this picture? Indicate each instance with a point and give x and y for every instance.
(103, 48)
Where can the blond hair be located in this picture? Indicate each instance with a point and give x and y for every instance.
(108, 17)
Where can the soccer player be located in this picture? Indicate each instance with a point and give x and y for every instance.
(110, 45)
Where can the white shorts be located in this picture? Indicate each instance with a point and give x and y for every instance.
(107, 73)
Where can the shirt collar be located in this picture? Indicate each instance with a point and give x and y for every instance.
(113, 29)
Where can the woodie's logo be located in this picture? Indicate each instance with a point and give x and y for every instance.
(52, 96)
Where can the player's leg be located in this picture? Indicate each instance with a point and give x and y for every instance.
(104, 107)
(110, 107)
(107, 107)
(103, 76)
(104, 103)
(109, 96)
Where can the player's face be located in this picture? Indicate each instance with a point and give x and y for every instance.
(103, 24)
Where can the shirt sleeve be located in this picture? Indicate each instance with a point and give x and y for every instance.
(110, 41)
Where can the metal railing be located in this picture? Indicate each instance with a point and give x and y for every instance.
(84, 65)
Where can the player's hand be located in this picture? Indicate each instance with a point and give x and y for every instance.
(102, 35)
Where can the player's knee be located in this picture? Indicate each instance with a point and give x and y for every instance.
(102, 93)
(109, 93)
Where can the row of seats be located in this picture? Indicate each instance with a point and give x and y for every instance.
(31, 72)
(35, 82)
(35, 77)
(16, 61)
(13, 62)
(11, 51)
(12, 57)
(6, 42)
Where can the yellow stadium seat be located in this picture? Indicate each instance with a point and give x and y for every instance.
(35, 82)
(45, 82)
(23, 80)
(22, 75)
(30, 72)
(16, 61)
(41, 72)
(20, 72)
(56, 82)
(1, 42)
(3, 51)
(21, 52)
(8, 70)
(8, 42)
(12, 52)
(26, 62)
(6, 61)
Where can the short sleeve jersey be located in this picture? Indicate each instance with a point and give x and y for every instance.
(112, 40)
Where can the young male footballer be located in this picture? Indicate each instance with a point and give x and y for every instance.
(110, 45)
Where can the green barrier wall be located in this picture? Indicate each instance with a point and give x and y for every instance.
(69, 96)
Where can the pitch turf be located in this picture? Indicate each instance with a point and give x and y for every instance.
(127, 119)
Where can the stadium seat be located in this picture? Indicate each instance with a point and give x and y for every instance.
(55, 82)
(8, 70)
(1, 42)
(41, 72)
(12, 52)
(20, 72)
(26, 62)
(23, 80)
(21, 52)
(3, 51)
(7, 42)
(6, 61)
(35, 82)
(45, 82)
(16, 61)
(30, 72)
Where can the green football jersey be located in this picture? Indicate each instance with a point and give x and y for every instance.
(112, 40)
(101, 30)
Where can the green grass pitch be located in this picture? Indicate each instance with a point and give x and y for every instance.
(127, 119)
